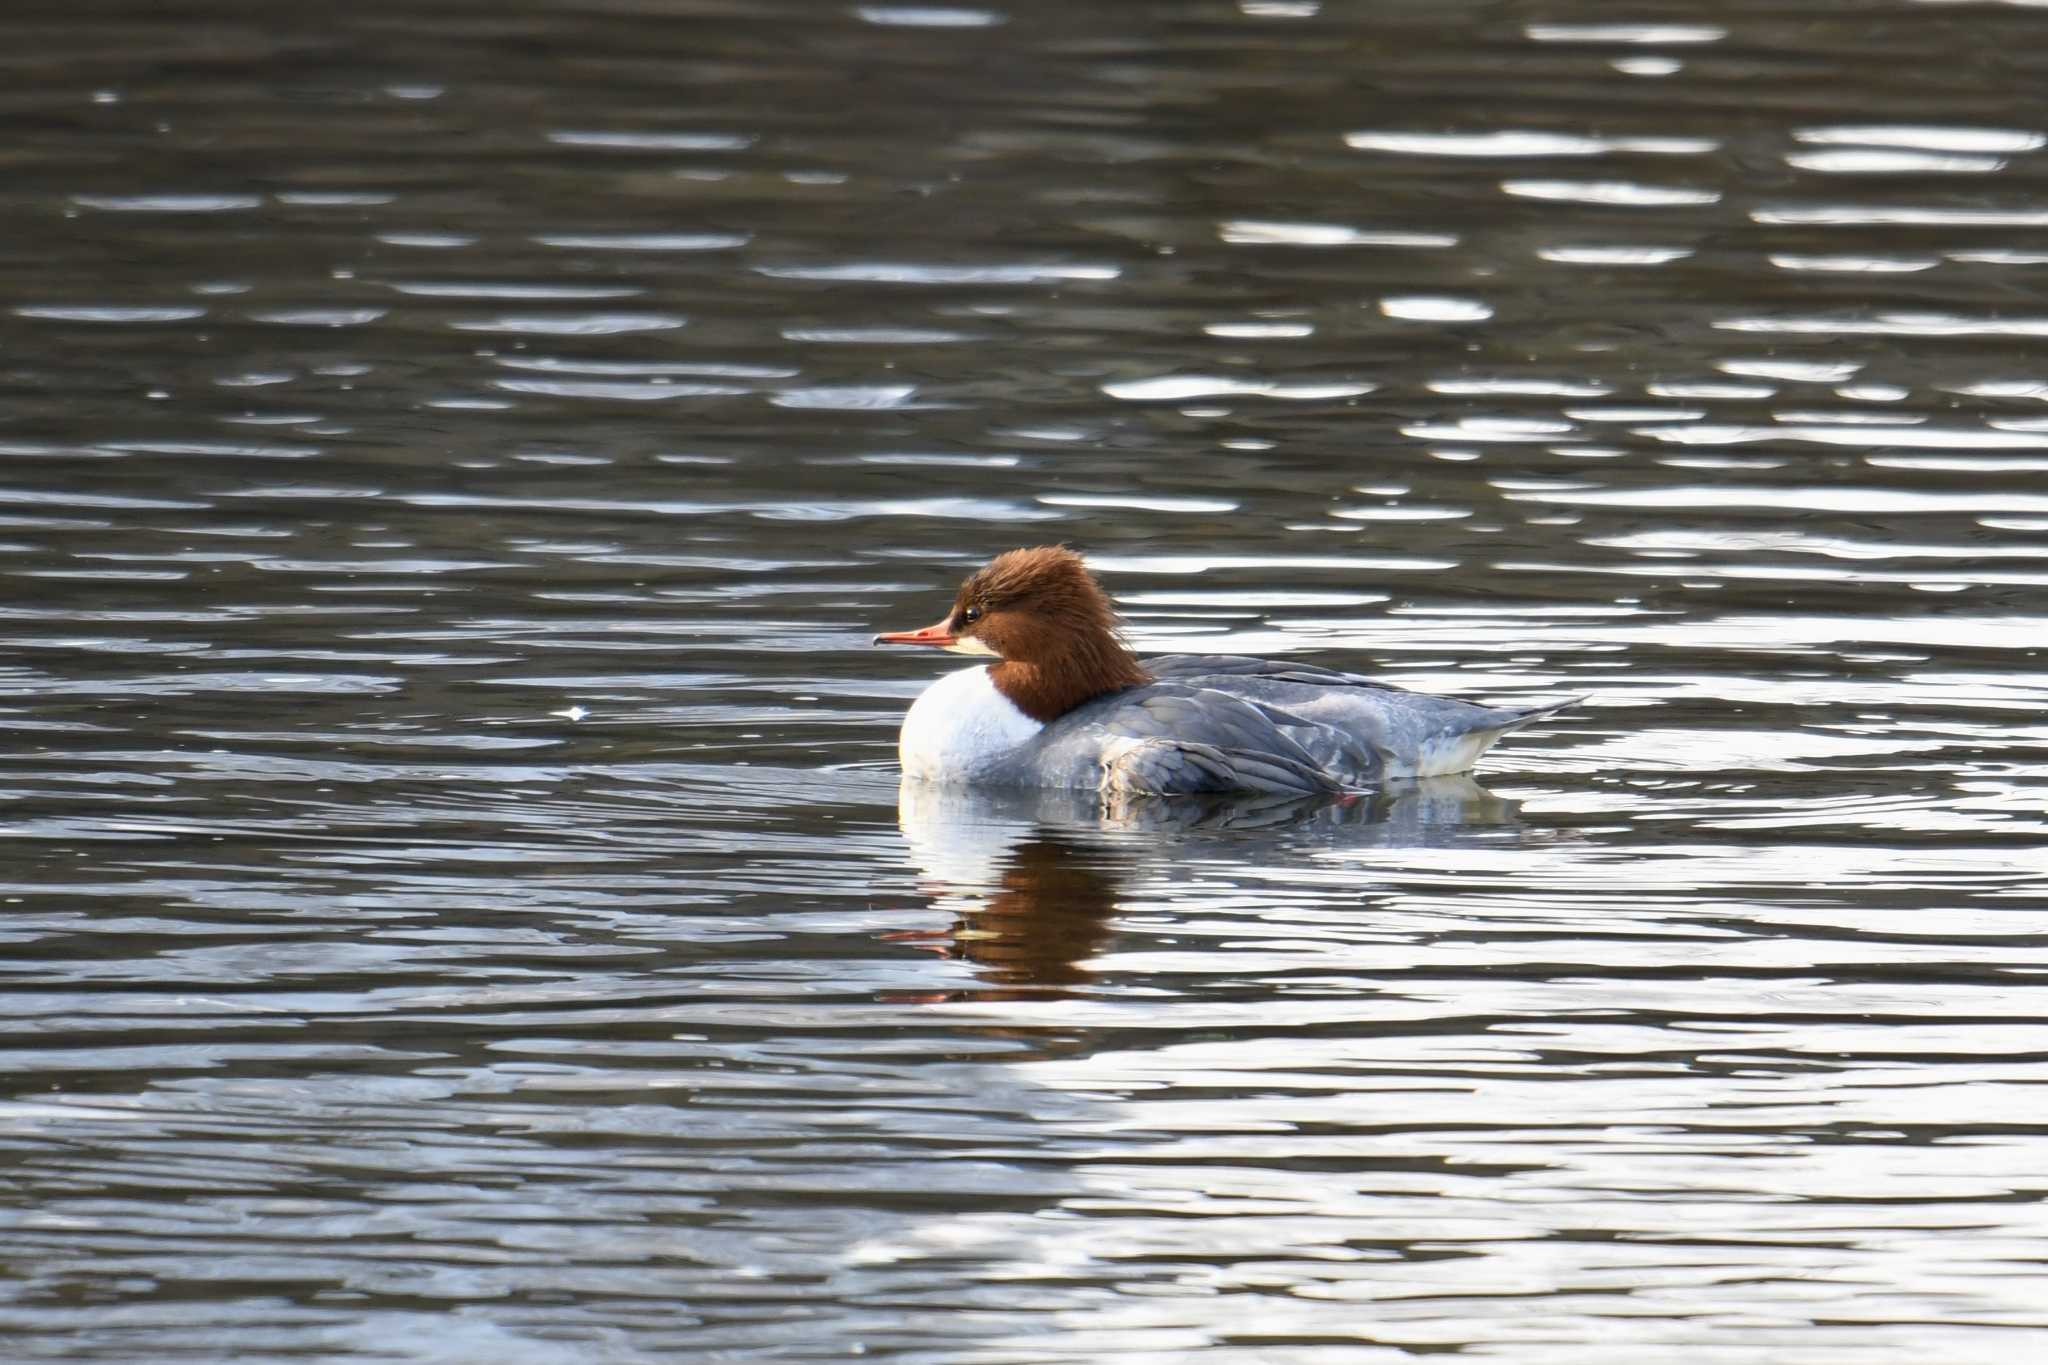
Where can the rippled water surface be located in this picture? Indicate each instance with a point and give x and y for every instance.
(457, 903)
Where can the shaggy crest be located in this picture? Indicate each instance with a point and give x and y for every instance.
(1050, 579)
(1044, 614)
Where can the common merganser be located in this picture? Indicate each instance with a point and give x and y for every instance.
(1069, 705)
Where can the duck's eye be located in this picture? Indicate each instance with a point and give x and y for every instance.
(970, 616)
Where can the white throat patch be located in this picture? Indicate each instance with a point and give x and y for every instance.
(961, 727)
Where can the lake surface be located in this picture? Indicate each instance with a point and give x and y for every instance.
(456, 899)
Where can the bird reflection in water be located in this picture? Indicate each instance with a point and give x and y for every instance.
(1034, 879)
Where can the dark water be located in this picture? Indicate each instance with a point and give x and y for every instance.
(456, 901)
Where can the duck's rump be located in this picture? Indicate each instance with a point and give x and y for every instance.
(1222, 722)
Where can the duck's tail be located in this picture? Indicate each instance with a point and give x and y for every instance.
(1445, 754)
(1519, 718)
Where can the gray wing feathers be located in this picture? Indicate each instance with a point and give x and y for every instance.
(1241, 750)
(1359, 730)
(1220, 718)
(1171, 766)
(1217, 722)
(1193, 668)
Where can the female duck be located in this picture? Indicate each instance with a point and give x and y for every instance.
(1068, 705)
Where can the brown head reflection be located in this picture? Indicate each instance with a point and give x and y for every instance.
(1047, 915)
(1029, 920)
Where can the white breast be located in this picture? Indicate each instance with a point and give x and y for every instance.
(959, 728)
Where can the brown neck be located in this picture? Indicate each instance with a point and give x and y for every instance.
(1090, 666)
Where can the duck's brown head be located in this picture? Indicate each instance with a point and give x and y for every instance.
(1043, 615)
